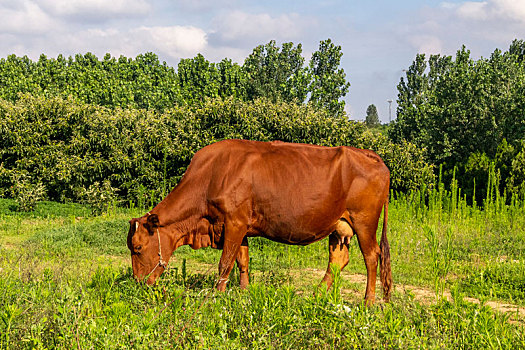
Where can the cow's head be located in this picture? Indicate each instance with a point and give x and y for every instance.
(146, 248)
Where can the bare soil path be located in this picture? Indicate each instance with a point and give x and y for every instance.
(423, 295)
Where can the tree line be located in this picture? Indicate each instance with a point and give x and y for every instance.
(272, 72)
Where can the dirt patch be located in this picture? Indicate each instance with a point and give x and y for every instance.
(420, 294)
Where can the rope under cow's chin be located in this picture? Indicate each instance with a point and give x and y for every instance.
(161, 262)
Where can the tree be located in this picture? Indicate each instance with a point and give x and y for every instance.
(136, 83)
(372, 119)
(198, 78)
(328, 84)
(232, 79)
(454, 107)
(277, 74)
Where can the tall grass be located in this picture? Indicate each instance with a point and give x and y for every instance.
(447, 235)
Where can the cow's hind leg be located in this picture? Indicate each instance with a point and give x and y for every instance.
(243, 260)
(366, 235)
(338, 257)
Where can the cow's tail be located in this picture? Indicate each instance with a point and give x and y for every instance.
(384, 258)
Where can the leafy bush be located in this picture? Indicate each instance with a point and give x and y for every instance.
(69, 146)
(408, 168)
(516, 181)
(100, 197)
(508, 166)
(25, 192)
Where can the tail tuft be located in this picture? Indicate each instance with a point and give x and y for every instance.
(384, 259)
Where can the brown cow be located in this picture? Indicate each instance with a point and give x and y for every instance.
(289, 193)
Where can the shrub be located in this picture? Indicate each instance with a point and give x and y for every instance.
(508, 166)
(100, 197)
(26, 192)
(71, 146)
(408, 168)
(516, 180)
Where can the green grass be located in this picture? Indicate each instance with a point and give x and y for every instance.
(497, 280)
(65, 282)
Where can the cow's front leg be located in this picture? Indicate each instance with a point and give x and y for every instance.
(243, 260)
(338, 257)
(233, 237)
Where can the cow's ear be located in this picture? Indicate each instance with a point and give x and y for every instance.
(132, 229)
(153, 221)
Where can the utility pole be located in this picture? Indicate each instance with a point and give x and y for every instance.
(389, 110)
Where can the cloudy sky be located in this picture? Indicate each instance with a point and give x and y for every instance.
(379, 38)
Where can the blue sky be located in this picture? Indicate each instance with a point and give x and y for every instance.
(379, 38)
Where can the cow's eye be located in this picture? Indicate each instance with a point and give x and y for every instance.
(137, 249)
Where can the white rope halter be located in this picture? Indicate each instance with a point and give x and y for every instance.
(161, 262)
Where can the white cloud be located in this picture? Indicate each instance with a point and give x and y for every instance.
(175, 41)
(170, 43)
(493, 10)
(41, 17)
(427, 44)
(95, 10)
(481, 26)
(242, 27)
(24, 17)
(512, 8)
(473, 10)
(204, 5)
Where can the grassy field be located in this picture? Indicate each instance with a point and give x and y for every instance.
(65, 282)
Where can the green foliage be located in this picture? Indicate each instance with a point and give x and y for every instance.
(276, 74)
(25, 192)
(516, 180)
(142, 82)
(372, 118)
(408, 169)
(198, 79)
(232, 78)
(100, 197)
(280, 75)
(477, 170)
(329, 83)
(507, 166)
(69, 146)
(458, 108)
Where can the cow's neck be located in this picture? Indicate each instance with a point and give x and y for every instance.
(180, 215)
